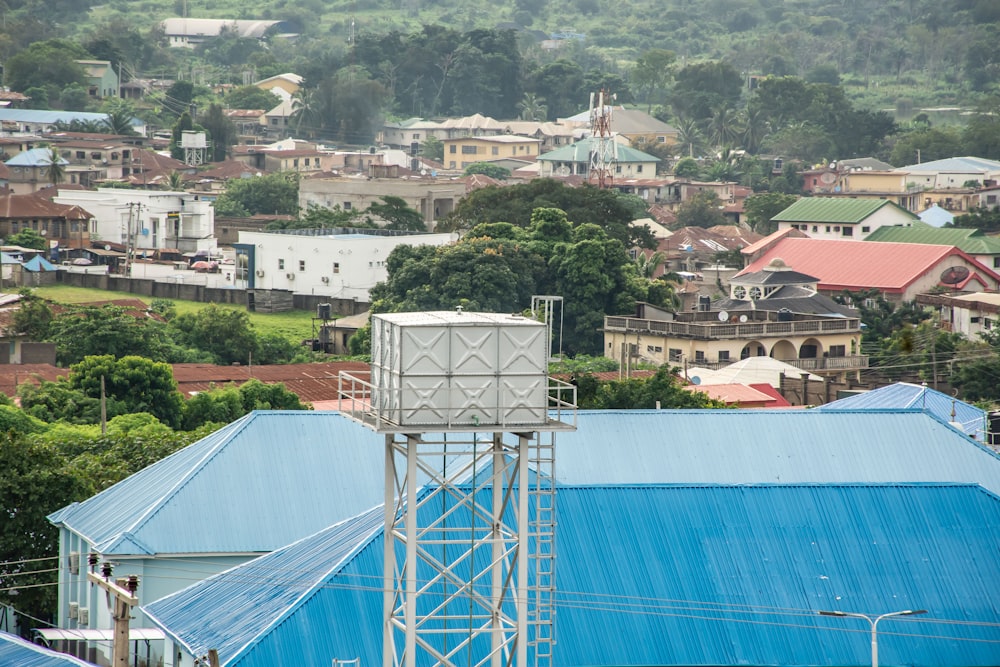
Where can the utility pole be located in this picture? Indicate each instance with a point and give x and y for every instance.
(123, 593)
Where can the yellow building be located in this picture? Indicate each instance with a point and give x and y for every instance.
(460, 152)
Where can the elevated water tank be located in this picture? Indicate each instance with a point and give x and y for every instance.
(452, 368)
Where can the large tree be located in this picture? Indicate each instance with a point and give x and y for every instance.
(48, 63)
(701, 88)
(226, 333)
(251, 97)
(130, 384)
(586, 204)
(761, 208)
(276, 194)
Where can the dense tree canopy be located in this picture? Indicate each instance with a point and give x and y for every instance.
(276, 193)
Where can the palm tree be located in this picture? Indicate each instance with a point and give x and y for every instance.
(175, 181)
(56, 166)
(723, 126)
(690, 137)
(533, 107)
(647, 265)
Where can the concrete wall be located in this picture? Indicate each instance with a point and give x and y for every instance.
(201, 293)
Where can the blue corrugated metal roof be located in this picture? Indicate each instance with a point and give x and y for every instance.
(49, 117)
(259, 483)
(270, 478)
(39, 263)
(35, 157)
(971, 419)
(664, 575)
(18, 652)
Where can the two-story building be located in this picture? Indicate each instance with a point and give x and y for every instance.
(64, 226)
(774, 312)
(432, 197)
(28, 171)
(460, 152)
(574, 160)
(102, 80)
(147, 220)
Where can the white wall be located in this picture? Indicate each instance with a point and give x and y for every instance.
(110, 208)
(341, 266)
(886, 216)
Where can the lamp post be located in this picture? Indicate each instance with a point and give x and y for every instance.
(873, 620)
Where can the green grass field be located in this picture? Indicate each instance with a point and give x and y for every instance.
(294, 325)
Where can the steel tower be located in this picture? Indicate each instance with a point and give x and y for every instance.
(467, 411)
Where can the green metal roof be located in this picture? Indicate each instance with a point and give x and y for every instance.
(972, 241)
(835, 209)
(580, 152)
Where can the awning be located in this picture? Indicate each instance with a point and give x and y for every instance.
(94, 635)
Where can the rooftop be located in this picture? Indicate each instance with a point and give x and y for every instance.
(834, 210)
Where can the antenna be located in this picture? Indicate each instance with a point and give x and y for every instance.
(602, 146)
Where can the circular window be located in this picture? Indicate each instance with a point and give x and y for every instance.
(740, 292)
(754, 293)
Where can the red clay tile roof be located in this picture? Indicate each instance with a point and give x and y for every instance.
(733, 394)
(889, 267)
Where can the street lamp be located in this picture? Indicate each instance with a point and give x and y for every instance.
(873, 620)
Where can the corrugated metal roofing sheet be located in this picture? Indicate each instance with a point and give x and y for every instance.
(17, 652)
(972, 241)
(854, 264)
(664, 575)
(971, 419)
(271, 477)
(835, 209)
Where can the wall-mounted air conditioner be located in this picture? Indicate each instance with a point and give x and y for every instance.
(290, 276)
(74, 610)
(83, 616)
(260, 273)
(74, 562)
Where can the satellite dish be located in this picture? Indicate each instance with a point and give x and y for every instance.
(423, 172)
(954, 275)
(743, 318)
(828, 178)
(723, 316)
(695, 379)
(107, 247)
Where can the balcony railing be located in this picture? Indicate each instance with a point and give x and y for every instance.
(850, 363)
(726, 331)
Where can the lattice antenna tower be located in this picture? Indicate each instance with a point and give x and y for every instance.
(602, 151)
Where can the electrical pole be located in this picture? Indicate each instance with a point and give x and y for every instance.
(123, 592)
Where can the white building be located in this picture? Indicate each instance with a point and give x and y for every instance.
(343, 263)
(158, 220)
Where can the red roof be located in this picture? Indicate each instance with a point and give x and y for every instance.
(852, 265)
(741, 395)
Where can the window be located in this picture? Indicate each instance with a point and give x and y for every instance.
(837, 228)
(987, 323)
(416, 136)
(724, 355)
(847, 231)
(638, 169)
(453, 149)
(274, 121)
(973, 320)
(661, 140)
(996, 262)
(346, 206)
(496, 150)
(807, 352)
(81, 155)
(469, 150)
(828, 229)
(699, 356)
(281, 264)
(674, 354)
(838, 350)
(295, 162)
(336, 267)
(618, 169)
(865, 230)
(815, 228)
(633, 253)
(302, 265)
(991, 199)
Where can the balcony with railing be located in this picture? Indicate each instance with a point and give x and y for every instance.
(758, 324)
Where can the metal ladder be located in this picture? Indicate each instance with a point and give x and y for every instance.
(542, 529)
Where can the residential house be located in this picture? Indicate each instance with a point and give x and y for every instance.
(189, 33)
(984, 248)
(897, 271)
(12, 145)
(724, 190)
(147, 220)
(340, 263)
(691, 249)
(632, 124)
(92, 161)
(969, 314)
(703, 494)
(39, 121)
(775, 312)
(574, 159)
(935, 216)
(408, 134)
(893, 186)
(987, 197)
(835, 218)
(102, 80)
(459, 153)
(276, 122)
(550, 135)
(65, 226)
(954, 183)
(656, 191)
(826, 179)
(28, 171)
(247, 122)
(476, 125)
(283, 85)
(433, 197)
(303, 161)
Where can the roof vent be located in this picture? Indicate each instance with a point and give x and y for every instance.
(777, 264)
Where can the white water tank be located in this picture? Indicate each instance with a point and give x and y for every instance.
(454, 368)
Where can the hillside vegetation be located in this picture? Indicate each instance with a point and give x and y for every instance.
(905, 53)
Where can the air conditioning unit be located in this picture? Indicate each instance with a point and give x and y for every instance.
(83, 616)
(290, 276)
(74, 610)
(260, 273)
(325, 279)
(74, 562)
